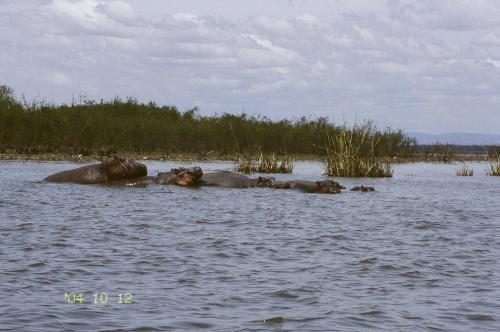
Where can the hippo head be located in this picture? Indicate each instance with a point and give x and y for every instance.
(119, 167)
(363, 188)
(181, 176)
(270, 182)
(327, 187)
(265, 182)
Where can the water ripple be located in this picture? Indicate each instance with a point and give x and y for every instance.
(421, 253)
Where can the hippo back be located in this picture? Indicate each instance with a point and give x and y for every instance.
(84, 175)
(227, 179)
(116, 168)
(119, 167)
(319, 187)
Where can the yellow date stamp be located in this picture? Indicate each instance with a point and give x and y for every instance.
(99, 298)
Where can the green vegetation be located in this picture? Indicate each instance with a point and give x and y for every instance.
(493, 151)
(268, 163)
(449, 153)
(438, 152)
(465, 170)
(353, 153)
(129, 126)
(494, 168)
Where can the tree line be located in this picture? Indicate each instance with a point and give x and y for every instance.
(129, 125)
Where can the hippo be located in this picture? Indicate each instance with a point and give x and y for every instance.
(183, 177)
(111, 169)
(363, 188)
(229, 179)
(120, 171)
(320, 187)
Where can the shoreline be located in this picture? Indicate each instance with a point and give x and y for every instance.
(135, 156)
(141, 156)
(185, 157)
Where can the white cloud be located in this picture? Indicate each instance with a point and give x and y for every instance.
(308, 19)
(273, 26)
(119, 11)
(447, 14)
(411, 64)
(282, 53)
(59, 79)
(187, 17)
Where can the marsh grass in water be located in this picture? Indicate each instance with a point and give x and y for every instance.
(494, 168)
(244, 165)
(267, 163)
(351, 153)
(465, 170)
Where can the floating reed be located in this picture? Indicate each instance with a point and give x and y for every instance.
(465, 170)
(351, 153)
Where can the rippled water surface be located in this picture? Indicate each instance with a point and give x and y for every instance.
(420, 253)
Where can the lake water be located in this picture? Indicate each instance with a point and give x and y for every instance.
(420, 253)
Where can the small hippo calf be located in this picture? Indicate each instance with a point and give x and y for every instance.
(363, 188)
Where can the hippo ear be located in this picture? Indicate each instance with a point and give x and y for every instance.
(197, 171)
(318, 186)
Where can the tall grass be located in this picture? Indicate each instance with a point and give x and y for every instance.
(494, 168)
(493, 151)
(352, 153)
(465, 170)
(245, 165)
(267, 163)
(86, 126)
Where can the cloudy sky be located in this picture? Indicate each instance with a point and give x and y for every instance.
(428, 66)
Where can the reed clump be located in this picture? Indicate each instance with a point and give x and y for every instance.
(267, 163)
(244, 165)
(465, 170)
(352, 153)
(494, 168)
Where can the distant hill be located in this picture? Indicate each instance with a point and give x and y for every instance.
(456, 138)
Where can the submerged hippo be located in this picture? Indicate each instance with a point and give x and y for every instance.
(320, 187)
(121, 171)
(363, 188)
(111, 169)
(126, 172)
(179, 176)
(234, 180)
